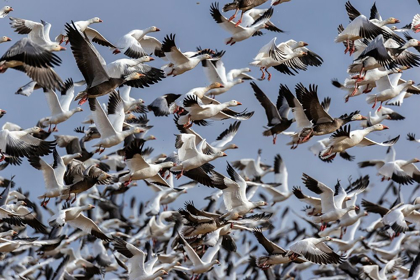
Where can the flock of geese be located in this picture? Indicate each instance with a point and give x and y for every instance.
(91, 220)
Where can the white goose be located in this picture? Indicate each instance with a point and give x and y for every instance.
(190, 156)
(136, 43)
(252, 168)
(60, 109)
(282, 192)
(139, 168)
(4, 39)
(331, 205)
(38, 32)
(53, 176)
(199, 111)
(137, 269)
(314, 250)
(343, 139)
(199, 265)
(111, 134)
(215, 72)
(234, 193)
(180, 62)
(74, 217)
(388, 88)
(239, 33)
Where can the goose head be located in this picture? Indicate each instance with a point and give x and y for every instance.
(378, 127)
(145, 58)
(153, 29)
(7, 9)
(77, 109)
(215, 85)
(301, 53)
(95, 20)
(233, 103)
(56, 48)
(220, 154)
(391, 20)
(260, 203)
(411, 43)
(133, 76)
(238, 81)
(358, 117)
(137, 130)
(230, 146)
(5, 39)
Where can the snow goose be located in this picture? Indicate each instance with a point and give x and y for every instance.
(359, 27)
(91, 64)
(199, 92)
(314, 250)
(23, 144)
(5, 11)
(190, 156)
(343, 139)
(388, 88)
(136, 43)
(91, 34)
(111, 133)
(198, 111)
(162, 105)
(199, 265)
(239, 33)
(276, 254)
(252, 168)
(4, 39)
(38, 32)
(397, 170)
(245, 5)
(121, 67)
(323, 123)
(53, 176)
(251, 15)
(136, 262)
(315, 207)
(36, 61)
(234, 194)
(215, 72)
(139, 168)
(180, 62)
(399, 99)
(222, 141)
(60, 109)
(373, 272)
(276, 115)
(74, 217)
(331, 205)
(282, 192)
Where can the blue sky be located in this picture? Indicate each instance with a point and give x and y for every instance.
(314, 22)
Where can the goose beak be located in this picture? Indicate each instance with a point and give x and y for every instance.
(396, 21)
(11, 9)
(62, 48)
(224, 154)
(239, 103)
(100, 20)
(151, 59)
(157, 29)
(385, 127)
(305, 44)
(8, 39)
(363, 118)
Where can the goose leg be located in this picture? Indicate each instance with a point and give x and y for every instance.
(353, 49)
(2, 157)
(116, 51)
(274, 139)
(374, 104)
(263, 74)
(180, 174)
(83, 100)
(234, 15)
(269, 75)
(347, 48)
(240, 20)
(188, 122)
(380, 107)
(126, 183)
